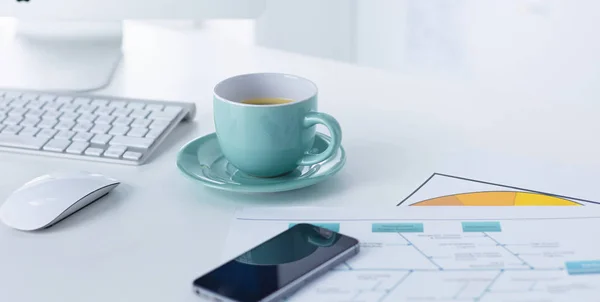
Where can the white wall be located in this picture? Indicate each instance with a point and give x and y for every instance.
(381, 33)
(322, 28)
(378, 33)
(508, 39)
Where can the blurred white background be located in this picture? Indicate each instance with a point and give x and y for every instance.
(515, 40)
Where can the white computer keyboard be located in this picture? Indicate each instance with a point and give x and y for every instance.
(96, 128)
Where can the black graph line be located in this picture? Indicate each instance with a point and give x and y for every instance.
(419, 188)
(498, 185)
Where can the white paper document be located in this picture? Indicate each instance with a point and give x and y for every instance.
(507, 254)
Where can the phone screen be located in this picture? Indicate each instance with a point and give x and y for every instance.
(275, 263)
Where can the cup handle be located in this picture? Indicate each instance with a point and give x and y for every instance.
(314, 118)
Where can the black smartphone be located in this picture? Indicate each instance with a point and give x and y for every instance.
(278, 267)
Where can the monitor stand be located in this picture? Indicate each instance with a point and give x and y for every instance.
(61, 56)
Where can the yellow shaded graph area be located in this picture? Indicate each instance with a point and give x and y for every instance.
(497, 198)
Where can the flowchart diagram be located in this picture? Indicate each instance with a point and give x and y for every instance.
(434, 259)
(403, 262)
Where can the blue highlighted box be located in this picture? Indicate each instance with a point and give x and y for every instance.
(330, 226)
(482, 226)
(397, 228)
(583, 267)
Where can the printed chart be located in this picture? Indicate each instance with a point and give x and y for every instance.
(449, 190)
(412, 254)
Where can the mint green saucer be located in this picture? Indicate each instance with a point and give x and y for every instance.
(202, 160)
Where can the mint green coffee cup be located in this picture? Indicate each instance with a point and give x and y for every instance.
(266, 123)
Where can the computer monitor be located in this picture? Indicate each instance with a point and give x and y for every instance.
(75, 45)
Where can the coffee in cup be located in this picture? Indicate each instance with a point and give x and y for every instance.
(267, 101)
(266, 123)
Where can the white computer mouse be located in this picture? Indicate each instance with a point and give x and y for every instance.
(48, 199)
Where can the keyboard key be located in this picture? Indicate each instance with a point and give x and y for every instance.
(65, 134)
(102, 111)
(5, 110)
(18, 111)
(132, 155)
(86, 118)
(100, 128)
(29, 131)
(18, 141)
(117, 104)
(86, 109)
(34, 113)
(64, 125)
(64, 99)
(82, 101)
(162, 115)
(69, 116)
(160, 124)
(83, 137)
(2, 117)
(69, 107)
(13, 120)
(12, 129)
(137, 132)
(18, 103)
(57, 145)
(12, 95)
(94, 151)
(154, 133)
(101, 139)
(141, 122)
(52, 114)
(136, 105)
(139, 113)
(35, 104)
(29, 96)
(52, 106)
(77, 147)
(155, 107)
(115, 151)
(122, 112)
(104, 119)
(47, 123)
(82, 127)
(47, 98)
(135, 142)
(30, 122)
(119, 130)
(172, 109)
(100, 102)
(49, 133)
(123, 121)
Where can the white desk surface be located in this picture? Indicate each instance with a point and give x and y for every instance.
(531, 120)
